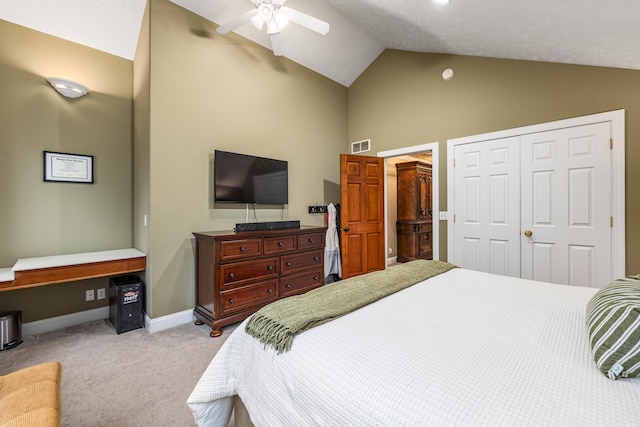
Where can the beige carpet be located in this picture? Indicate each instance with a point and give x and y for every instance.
(129, 379)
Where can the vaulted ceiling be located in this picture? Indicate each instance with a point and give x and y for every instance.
(585, 32)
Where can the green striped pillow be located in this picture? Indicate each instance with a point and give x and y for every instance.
(613, 320)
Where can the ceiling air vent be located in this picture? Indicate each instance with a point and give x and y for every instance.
(360, 146)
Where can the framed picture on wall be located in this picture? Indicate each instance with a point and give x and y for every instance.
(65, 167)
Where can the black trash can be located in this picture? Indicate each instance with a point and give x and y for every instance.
(126, 303)
(10, 329)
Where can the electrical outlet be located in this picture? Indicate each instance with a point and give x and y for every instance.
(444, 215)
(101, 293)
(89, 295)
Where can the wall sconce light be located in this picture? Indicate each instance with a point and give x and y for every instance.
(68, 88)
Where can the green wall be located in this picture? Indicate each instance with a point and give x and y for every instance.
(208, 92)
(141, 146)
(401, 100)
(43, 218)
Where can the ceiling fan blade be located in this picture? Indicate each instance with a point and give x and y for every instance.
(305, 20)
(276, 44)
(236, 22)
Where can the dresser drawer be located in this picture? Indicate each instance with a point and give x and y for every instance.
(422, 227)
(310, 241)
(235, 274)
(274, 245)
(296, 283)
(425, 252)
(248, 296)
(300, 261)
(414, 227)
(425, 245)
(424, 239)
(235, 249)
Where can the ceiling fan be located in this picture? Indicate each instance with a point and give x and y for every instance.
(275, 16)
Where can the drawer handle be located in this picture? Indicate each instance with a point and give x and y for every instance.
(231, 301)
(231, 275)
(310, 240)
(270, 268)
(315, 258)
(243, 249)
(280, 244)
(288, 264)
(270, 291)
(316, 278)
(288, 286)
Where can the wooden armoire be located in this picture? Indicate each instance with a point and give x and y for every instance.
(414, 221)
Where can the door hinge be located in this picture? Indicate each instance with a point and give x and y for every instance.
(610, 143)
(454, 162)
(611, 221)
(454, 218)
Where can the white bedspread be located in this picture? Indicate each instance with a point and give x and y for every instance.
(463, 348)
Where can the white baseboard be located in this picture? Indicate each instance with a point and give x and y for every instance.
(392, 260)
(61, 322)
(168, 321)
(73, 319)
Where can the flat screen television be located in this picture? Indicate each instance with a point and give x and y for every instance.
(241, 178)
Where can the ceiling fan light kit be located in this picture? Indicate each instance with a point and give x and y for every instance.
(276, 16)
(268, 13)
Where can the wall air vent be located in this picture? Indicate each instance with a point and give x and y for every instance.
(361, 146)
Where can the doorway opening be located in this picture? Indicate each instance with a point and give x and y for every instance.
(427, 153)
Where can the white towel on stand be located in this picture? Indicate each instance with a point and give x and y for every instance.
(332, 263)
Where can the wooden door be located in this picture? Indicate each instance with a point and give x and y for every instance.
(361, 214)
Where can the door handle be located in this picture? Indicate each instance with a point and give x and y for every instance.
(346, 229)
(528, 233)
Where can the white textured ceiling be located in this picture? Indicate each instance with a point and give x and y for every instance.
(341, 55)
(587, 32)
(112, 26)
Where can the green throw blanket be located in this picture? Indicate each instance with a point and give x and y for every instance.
(279, 322)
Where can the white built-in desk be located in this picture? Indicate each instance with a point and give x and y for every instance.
(30, 272)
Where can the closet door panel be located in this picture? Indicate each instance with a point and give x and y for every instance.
(545, 200)
(487, 219)
(565, 204)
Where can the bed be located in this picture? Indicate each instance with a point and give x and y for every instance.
(462, 348)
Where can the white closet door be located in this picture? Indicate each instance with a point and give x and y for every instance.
(487, 223)
(565, 209)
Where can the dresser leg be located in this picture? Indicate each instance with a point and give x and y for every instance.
(199, 322)
(215, 333)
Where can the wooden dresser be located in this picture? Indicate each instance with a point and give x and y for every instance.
(238, 273)
(414, 224)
